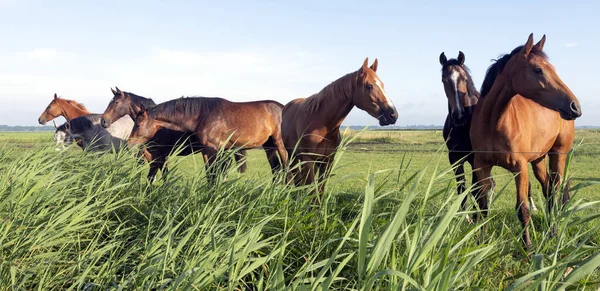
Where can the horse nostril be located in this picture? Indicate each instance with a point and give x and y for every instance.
(575, 107)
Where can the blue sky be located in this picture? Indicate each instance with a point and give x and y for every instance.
(280, 50)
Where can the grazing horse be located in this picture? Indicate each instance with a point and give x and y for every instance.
(217, 123)
(462, 99)
(525, 113)
(165, 140)
(311, 126)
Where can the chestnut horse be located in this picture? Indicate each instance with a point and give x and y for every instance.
(525, 113)
(164, 141)
(217, 123)
(462, 99)
(311, 126)
(69, 109)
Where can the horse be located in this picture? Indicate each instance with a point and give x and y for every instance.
(217, 123)
(70, 110)
(95, 137)
(61, 137)
(462, 99)
(165, 140)
(311, 126)
(525, 113)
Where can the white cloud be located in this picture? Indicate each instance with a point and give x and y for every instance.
(161, 74)
(211, 59)
(41, 54)
(571, 44)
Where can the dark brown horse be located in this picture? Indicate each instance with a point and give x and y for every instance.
(462, 99)
(525, 113)
(218, 123)
(165, 141)
(311, 126)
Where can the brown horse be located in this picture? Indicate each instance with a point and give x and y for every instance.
(462, 99)
(164, 141)
(218, 123)
(525, 113)
(311, 126)
(69, 109)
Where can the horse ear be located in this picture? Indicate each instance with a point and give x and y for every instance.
(540, 45)
(374, 65)
(461, 57)
(68, 126)
(113, 91)
(528, 46)
(443, 59)
(55, 96)
(365, 63)
(118, 90)
(54, 122)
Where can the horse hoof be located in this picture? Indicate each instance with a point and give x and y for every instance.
(469, 220)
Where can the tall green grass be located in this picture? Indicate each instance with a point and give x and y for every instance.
(90, 221)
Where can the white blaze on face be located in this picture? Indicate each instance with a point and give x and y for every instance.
(454, 77)
(388, 101)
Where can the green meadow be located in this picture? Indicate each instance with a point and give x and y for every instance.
(389, 219)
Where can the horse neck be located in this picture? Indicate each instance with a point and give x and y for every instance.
(495, 103)
(70, 112)
(340, 109)
(340, 104)
(179, 123)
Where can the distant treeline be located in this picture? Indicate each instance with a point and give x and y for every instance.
(26, 128)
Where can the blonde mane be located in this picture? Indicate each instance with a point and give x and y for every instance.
(340, 89)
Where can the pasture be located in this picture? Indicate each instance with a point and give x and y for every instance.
(390, 219)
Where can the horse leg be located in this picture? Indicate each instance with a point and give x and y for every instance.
(557, 169)
(273, 156)
(324, 171)
(155, 165)
(209, 155)
(240, 158)
(522, 207)
(541, 174)
(281, 151)
(484, 178)
(459, 175)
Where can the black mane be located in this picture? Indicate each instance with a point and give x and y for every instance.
(498, 65)
(140, 100)
(188, 106)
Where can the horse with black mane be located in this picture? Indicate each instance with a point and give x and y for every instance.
(462, 99)
(217, 123)
(525, 113)
(163, 143)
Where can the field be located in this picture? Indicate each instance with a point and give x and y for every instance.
(390, 219)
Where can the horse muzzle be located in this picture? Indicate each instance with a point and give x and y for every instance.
(572, 112)
(104, 123)
(388, 117)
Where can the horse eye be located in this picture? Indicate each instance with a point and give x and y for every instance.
(369, 86)
(537, 70)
